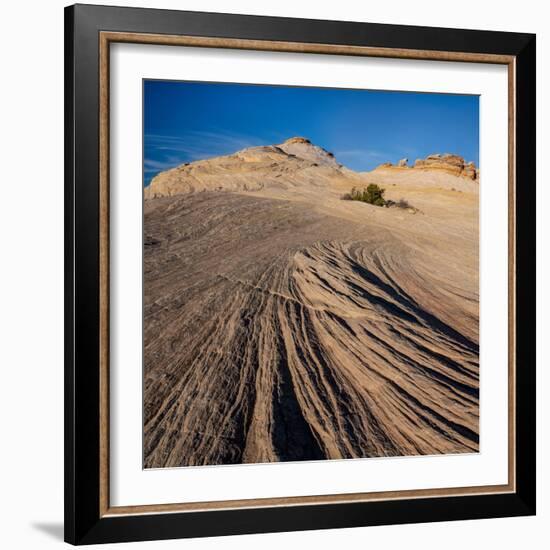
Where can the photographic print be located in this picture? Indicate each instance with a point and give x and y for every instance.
(310, 274)
(282, 284)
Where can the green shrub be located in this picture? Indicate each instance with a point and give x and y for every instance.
(372, 194)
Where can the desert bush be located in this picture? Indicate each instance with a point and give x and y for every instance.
(372, 194)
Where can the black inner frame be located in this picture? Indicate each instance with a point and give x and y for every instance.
(83, 524)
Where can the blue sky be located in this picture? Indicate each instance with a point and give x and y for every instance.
(187, 121)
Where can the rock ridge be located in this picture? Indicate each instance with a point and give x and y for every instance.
(296, 163)
(447, 162)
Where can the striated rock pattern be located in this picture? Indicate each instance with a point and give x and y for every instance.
(281, 323)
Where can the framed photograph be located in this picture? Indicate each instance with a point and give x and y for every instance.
(300, 274)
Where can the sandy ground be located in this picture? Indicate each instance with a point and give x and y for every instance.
(283, 323)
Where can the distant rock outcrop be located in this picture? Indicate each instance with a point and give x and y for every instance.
(451, 164)
(304, 149)
(298, 139)
(470, 171)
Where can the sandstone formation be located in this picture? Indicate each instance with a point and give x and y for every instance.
(252, 169)
(447, 163)
(283, 323)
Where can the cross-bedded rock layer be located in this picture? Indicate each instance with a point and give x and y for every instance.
(283, 323)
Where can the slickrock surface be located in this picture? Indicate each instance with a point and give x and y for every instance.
(283, 323)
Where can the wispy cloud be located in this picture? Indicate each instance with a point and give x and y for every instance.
(163, 152)
(199, 144)
(151, 165)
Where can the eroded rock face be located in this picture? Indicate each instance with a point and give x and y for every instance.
(294, 162)
(470, 171)
(453, 164)
(449, 163)
(304, 149)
